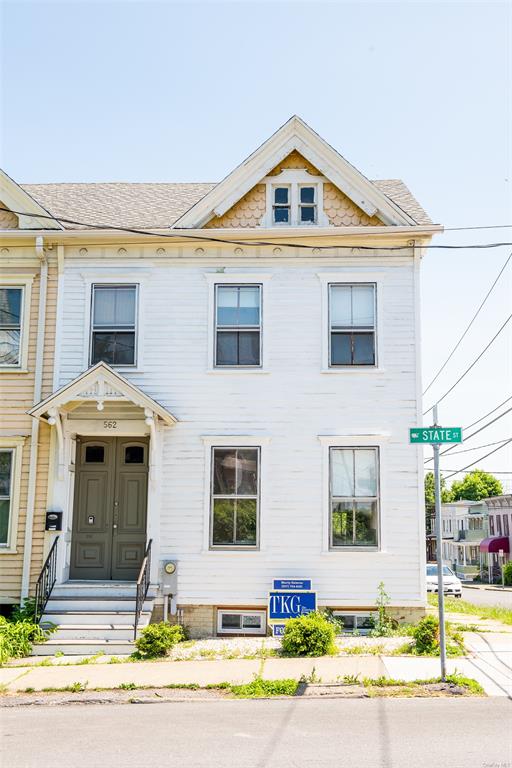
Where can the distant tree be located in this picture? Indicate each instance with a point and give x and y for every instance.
(430, 499)
(476, 485)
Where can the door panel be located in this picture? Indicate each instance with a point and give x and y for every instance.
(109, 521)
(92, 518)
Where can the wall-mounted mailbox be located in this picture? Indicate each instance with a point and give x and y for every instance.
(53, 521)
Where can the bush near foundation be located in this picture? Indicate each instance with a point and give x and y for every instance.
(17, 638)
(426, 636)
(309, 635)
(507, 573)
(158, 639)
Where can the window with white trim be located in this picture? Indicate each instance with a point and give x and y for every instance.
(240, 622)
(352, 324)
(6, 483)
(354, 622)
(235, 495)
(238, 325)
(294, 204)
(11, 311)
(113, 324)
(354, 497)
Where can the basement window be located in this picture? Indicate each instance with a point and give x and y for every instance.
(233, 622)
(355, 622)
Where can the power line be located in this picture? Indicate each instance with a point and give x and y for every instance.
(469, 326)
(477, 447)
(479, 460)
(181, 233)
(461, 472)
(488, 414)
(470, 367)
(486, 226)
(481, 429)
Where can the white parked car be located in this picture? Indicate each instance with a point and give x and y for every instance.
(451, 584)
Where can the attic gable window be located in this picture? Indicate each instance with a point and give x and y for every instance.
(295, 198)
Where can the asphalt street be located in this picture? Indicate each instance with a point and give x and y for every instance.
(488, 596)
(285, 733)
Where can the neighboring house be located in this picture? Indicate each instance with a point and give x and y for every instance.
(464, 527)
(496, 549)
(234, 380)
(28, 295)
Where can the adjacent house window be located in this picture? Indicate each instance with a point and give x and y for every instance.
(238, 622)
(491, 525)
(11, 305)
(361, 623)
(354, 497)
(238, 325)
(114, 310)
(505, 525)
(6, 472)
(352, 326)
(234, 497)
(498, 525)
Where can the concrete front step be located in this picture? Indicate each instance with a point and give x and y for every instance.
(64, 618)
(99, 589)
(93, 632)
(84, 647)
(103, 604)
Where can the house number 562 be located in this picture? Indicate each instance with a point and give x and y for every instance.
(110, 424)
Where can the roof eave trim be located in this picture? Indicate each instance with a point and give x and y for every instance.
(70, 391)
(294, 135)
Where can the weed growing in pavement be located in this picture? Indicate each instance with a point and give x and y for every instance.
(127, 686)
(260, 688)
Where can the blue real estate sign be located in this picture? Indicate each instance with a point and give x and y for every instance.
(289, 585)
(289, 605)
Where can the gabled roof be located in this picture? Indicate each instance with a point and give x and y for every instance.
(158, 206)
(16, 198)
(100, 384)
(295, 135)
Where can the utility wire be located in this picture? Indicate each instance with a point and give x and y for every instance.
(481, 429)
(181, 233)
(487, 414)
(470, 367)
(478, 460)
(457, 345)
(477, 447)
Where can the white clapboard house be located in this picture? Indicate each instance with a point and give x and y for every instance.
(236, 370)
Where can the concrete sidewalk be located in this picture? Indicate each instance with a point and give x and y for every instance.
(489, 662)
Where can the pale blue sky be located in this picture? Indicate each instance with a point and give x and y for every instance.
(143, 91)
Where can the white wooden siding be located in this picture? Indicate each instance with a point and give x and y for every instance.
(291, 406)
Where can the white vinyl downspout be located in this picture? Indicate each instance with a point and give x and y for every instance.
(34, 439)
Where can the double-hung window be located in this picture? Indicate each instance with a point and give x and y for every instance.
(11, 306)
(238, 325)
(6, 473)
(281, 205)
(234, 497)
(352, 324)
(354, 497)
(113, 327)
(307, 205)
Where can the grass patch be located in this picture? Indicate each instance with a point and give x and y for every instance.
(456, 605)
(260, 688)
(359, 650)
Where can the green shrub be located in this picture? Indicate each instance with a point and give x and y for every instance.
(507, 573)
(426, 636)
(157, 639)
(25, 611)
(309, 635)
(17, 638)
(260, 688)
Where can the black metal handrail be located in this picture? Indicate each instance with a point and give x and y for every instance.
(143, 583)
(46, 581)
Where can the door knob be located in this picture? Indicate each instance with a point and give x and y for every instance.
(115, 525)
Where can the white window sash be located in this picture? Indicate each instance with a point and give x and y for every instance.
(116, 329)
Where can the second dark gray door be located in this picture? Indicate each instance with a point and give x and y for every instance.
(110, 508)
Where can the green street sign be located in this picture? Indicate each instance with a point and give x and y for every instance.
(435, 435)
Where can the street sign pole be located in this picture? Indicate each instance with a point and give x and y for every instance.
(439, 545)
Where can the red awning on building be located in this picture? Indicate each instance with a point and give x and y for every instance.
(494, 544)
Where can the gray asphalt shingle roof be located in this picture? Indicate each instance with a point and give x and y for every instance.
(157, 206)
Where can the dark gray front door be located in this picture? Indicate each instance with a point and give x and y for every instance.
(109, 518)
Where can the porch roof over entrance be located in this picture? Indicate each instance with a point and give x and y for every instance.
(494, 544)
(101, 384)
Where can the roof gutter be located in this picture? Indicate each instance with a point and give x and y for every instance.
(34, 439)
